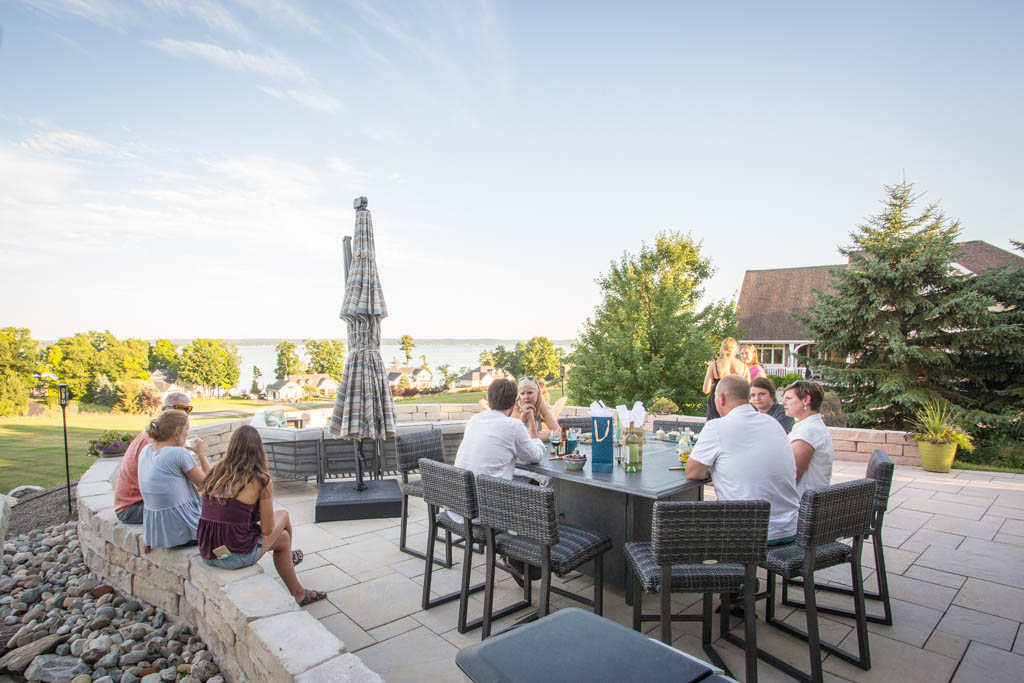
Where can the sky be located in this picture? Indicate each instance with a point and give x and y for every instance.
(182, 169)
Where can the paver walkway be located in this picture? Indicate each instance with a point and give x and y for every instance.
(954, 550)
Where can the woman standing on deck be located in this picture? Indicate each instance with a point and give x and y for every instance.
(727, 364)
(239, 523)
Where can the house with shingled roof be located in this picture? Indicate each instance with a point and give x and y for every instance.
(419, 378)
(771, 299)
(293, 387)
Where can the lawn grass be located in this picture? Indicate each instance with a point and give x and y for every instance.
(462, 397)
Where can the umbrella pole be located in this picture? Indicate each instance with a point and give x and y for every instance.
(360, 484)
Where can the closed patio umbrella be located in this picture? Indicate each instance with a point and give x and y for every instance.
(364, 408)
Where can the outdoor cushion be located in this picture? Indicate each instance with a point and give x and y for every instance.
(446, 522)
(686, 578)
(787, 560)
(575, 546)
(275, 418)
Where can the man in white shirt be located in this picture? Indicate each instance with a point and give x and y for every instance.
(747, 456)
(494, 442)
(810, 438)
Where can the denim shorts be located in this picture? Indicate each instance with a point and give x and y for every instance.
(235, 560)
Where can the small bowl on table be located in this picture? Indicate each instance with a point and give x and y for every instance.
(574, 462)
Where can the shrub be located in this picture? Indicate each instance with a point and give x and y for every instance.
(109, 441)
(783, 381)
(664, 406)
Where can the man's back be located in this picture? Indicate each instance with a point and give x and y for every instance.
(750, 459)
(494, 443)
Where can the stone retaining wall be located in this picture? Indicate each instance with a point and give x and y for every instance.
(247, 619)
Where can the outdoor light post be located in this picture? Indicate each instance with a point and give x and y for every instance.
(561, 371)
(64, 397)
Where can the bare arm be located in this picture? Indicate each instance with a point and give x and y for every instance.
(197, 474)
(803, 452)
(697, 471)
(266, 506)
(707, 378)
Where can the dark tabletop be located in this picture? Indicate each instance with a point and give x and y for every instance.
(655, 481)
(573, 645)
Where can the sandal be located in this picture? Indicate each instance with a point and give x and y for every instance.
(297, 557)
(312, 596)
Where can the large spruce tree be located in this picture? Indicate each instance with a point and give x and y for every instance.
(900, 317)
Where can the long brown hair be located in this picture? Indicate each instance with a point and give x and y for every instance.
(244, 461)
(166, 424)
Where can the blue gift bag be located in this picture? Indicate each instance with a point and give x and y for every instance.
(601, 451)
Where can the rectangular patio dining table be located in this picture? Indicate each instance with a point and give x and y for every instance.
(618, 503)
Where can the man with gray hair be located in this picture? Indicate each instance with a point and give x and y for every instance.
(748, 457)
(127, 497)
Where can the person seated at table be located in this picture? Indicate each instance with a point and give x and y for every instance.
(128, 505)
(762, 397)
(534, 393)
(748, 457)
(239, 524)
(812, 445)
(168, 478)
(725, 366)
(495, 441)
(748, 354)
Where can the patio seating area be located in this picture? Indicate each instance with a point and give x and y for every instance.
(954, 548)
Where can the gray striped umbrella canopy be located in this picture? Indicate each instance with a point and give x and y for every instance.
(364, 408)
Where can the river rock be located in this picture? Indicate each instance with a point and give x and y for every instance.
(204, 670)
(52, 668)
(18, 659)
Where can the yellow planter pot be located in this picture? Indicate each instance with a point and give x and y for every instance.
(936, 457)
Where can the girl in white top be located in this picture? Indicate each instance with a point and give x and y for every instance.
(810, 438)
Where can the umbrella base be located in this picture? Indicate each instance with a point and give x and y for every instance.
(339, 500)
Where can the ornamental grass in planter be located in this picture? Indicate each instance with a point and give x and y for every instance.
(937, 434)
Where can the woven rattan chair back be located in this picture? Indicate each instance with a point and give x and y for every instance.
(880, 468)
(584, 424)
(411, 448)
(678, 425)
(727, 531)
(449, 487)
(524, 509)
(840, 511)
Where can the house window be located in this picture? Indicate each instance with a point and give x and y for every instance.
(771, 354)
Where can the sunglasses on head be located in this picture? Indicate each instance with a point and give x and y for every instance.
(187, 409)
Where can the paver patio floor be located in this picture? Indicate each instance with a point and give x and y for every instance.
(954, 550)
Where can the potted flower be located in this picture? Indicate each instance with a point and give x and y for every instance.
(937, 435)
(110, 443)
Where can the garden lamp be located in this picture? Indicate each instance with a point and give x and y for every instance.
(561, 371)
(64, 397)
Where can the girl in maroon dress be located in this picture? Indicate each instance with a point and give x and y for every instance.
(239, 524)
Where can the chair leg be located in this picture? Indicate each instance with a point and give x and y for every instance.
(448, 548)
(749, 626)
(599, 585)
(707, 609)
(857, 577)
(404, 523)
(467, 568)
(769, 608)
(428, 572)
(485, 629)
(666, 603)
(545, 579)
(813, 637)
(638, 602)
(881, 576)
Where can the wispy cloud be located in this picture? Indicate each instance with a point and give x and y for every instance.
(273, 64)
(214, 15)
(313, 98)
(339, 165)
(284, 13)
(73, 143)
(109, 13)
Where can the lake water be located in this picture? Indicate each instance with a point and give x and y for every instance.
(451, 352)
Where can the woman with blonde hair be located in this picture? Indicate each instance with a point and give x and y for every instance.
(533, 395)
(239, 524)
(727, 364)
(168, 478)
(748, 354)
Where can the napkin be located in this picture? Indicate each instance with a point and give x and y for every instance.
(636, 414)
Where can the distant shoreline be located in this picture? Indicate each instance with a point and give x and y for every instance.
(261, 341)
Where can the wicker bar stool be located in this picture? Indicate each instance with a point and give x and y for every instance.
(584, 424)
(534, 538)
(826, 514)
(678, 425)
(410, 449)
(880, 468)
(454, 490)
(683, 537)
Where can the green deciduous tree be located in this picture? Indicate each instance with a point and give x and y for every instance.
(19, 361)
(288, 361)
(487, 357)
(407, 344)
(510, 360)
(256, 374)
(72, 361)
(210, 363)
(327, 356)
(445, 375)
(163, 355)
(404, 382)
(648, 337)
(540, 358)
(900, 313)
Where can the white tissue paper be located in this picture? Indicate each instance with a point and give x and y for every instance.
(599, 409)
(636, 415)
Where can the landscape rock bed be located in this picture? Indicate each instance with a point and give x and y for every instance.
(61, 622)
